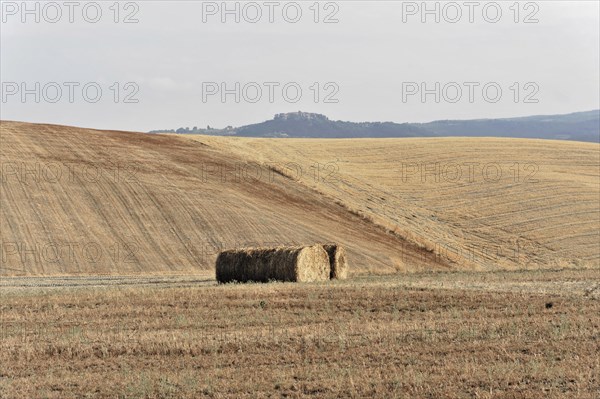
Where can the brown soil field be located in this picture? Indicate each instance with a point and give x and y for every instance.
(108, 243)
(477, 203)
(88, 202)
(527, 334)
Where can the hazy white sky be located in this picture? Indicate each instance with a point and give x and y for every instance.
(370, 65)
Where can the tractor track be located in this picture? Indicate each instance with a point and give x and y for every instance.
(104, 281)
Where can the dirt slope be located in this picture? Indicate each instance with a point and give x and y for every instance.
(82, 201)
(483, 203)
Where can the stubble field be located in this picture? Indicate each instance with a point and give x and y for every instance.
(477, 203)
(108, 241)
(525, 334)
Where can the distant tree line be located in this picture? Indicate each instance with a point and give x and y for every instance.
(195, 130)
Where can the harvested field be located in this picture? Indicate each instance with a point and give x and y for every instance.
(119, 203)
(477, 203)
(487, 335)
(107, 202)
(131, 307)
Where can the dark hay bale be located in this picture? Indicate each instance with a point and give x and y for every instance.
(298, 264)
(337, 261)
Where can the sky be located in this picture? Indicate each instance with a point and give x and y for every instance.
(166, 64)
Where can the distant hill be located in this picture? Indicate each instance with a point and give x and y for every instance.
(303, 124)
(579, 126)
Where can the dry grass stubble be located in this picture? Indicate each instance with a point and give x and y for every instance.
(375, 337)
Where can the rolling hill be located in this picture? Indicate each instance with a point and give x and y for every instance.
(84, 201)
(478, 203)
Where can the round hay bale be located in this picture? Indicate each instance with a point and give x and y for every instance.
(297, 264)
(337, 261)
